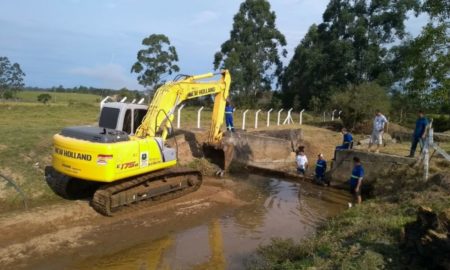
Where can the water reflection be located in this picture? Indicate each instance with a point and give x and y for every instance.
(275, 208)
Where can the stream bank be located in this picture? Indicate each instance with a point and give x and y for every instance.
(387, 232)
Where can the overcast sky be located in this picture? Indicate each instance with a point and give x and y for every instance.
(94, 43)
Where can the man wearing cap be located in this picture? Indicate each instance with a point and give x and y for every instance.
(321, 168)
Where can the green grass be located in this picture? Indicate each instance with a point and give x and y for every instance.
(25, 148)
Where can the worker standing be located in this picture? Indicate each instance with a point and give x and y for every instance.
(419, 133)
(302, 162)
(229, 110)
(378, 129)
(356, 181)
(321, 168)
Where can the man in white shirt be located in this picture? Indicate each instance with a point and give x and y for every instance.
(302, 162)
(378, 129)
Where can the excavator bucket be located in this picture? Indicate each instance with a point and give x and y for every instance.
(221, 155)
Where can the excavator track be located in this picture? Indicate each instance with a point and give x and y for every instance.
(145, 190)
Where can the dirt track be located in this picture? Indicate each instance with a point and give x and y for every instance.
(73, 228)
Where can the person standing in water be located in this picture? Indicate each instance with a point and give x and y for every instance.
(321, 168)
(356, 180)
(302, 162)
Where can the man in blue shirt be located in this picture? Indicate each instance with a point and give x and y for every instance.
(321, 168)
(229, 117)
(347, 142)
(356, 180)
(419, 133)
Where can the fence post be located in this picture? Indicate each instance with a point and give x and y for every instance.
(339, 114)
(426, 151)
(332, 115)
(288, 119)
(256, 118)
(324, 116)
(268, 116)
(301, 116)
(243, 119)
(278, 120)
(104, 101)
(179, 115)
(198, 116)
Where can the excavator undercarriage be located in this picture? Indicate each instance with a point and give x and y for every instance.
(128, 194)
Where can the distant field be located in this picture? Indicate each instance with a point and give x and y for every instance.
(31, 96)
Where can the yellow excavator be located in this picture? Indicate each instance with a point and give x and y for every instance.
(132, 166)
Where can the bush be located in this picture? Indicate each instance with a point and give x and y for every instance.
(44, 98)
(8, 95)
(359, 103)
(441, 123)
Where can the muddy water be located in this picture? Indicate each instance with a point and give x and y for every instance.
(224, 240)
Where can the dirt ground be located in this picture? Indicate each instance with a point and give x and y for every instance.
(73, 227)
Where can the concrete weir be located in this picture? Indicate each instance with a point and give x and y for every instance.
(263, 150)
(374, 164)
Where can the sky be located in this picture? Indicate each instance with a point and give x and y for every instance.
(94, 43)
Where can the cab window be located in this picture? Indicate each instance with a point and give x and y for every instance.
(138, 116)
(127, 122)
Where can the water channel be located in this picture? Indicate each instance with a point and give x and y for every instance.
(274, 208)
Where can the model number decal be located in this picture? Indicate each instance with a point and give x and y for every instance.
(127, 165)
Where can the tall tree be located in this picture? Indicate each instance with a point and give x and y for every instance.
(11, 76)
(253, 51)
(155, 61)
(348, 47)
(422, 64)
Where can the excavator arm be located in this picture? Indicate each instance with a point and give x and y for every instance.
(168, 97)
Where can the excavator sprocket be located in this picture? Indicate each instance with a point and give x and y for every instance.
(145, 190)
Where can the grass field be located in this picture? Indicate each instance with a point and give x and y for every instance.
(25, 148)
(31, 96)
(27, 128)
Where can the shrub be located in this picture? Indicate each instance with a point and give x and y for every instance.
(441, 123)
(359, 103)
(44, 98)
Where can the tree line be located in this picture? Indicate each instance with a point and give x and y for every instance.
(359, 58)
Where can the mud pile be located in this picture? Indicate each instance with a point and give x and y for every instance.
(426, 241)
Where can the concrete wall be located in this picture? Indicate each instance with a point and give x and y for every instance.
(374, 164)
(262, 151)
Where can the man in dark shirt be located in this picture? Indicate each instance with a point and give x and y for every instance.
(321, 168)
(347, 142)
(356, 180)
(229, 116)
(419, 133)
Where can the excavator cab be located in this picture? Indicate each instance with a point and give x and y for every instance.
(122, 116)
